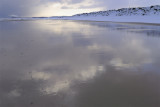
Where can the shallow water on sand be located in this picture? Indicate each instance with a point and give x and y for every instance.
(60, 63)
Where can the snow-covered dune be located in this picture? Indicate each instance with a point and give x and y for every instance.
(139, 14)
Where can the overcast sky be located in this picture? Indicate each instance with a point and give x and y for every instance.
(64, 7)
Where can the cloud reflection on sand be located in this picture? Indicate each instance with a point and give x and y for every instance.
(72, 63)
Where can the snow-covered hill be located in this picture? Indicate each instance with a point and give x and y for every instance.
(137, 14)
(139, 11)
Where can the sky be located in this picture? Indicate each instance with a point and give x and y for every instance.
(37, 8)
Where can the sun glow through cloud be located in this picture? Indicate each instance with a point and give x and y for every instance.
(65, 9)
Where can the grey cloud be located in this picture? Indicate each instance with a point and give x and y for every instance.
(75, 1)
(17, 7)
(25, 7)
(114, 4)
(20, 7)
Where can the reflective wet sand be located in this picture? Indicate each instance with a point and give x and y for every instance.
(60, 63)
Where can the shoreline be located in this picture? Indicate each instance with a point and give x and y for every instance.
(87, 20)
(144, 23)
(119, 19)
